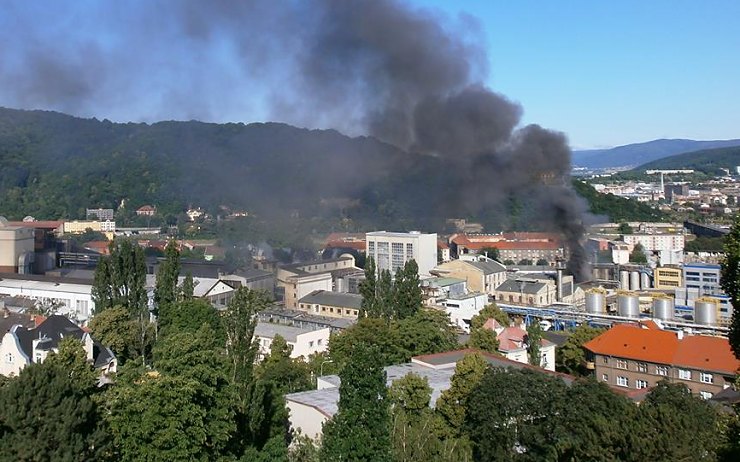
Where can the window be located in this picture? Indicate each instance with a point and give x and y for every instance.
(310, 344)
(684, 374)
(622, 381)
(621, 364)
(706, 378)
(605, 377)
(319, 341)
(641, 367)
(705, 394)
(606, 359)
(661, 370)
(9, 358)
(640, 384)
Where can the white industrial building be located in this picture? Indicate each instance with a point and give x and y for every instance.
(71, 298)
(462, 307)
(392, 250)
(304, 341)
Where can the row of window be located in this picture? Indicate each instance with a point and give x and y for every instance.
(683, 374)
(640, 384)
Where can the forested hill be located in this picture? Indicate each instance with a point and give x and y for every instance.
(709, 161)
(616, 208)
(56, 165)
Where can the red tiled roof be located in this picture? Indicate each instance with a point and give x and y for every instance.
(706, 353)
(633, 342)
(356, 245)
(663, 347)
(509, 241)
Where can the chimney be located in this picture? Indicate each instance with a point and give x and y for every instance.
(559, 283)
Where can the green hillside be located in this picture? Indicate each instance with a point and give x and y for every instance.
(708, 161)
(617, 209)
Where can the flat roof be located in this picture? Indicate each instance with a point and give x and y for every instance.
(289, 333)
(399, 234)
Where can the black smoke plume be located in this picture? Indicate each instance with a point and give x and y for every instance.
(412, 77)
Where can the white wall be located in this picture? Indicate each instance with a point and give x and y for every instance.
(12, 359)
(306, 419)
(74, 300)
(462, 311)
(316, 341)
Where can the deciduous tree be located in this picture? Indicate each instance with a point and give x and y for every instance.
(166, 290)
(570, 357)
(730, 281)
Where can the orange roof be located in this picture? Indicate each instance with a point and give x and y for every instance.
(658, 346)
(633, 342)
(509, 241)
(706, 353)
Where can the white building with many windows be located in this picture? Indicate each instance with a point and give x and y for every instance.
(392, 250)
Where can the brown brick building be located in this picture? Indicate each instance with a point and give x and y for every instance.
(639, 356)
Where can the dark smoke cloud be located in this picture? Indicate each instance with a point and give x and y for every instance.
(412, 77)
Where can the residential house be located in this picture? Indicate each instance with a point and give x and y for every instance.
(146, 211)
(639, 356)
(331, 304)
(513, 344)
(22, 346)
(303, 341)
(481, 275)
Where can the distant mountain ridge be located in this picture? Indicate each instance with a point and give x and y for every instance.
(632, 155)
(709, 161)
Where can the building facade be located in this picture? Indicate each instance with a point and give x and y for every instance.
(632, 356)
(303, 341)
(300, 279)
(667, 277)
(17, 246)
(481, 275)
(392, 250)
(331, 304)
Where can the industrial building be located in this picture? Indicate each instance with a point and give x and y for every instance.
(16, 248)
(392, 250)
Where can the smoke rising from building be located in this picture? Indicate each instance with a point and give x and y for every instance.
(411, 77)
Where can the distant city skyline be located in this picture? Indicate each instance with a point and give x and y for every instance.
(603, 73)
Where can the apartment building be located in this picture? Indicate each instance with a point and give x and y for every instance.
(639, 356)
(392, 250)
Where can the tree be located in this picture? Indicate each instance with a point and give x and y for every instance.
(426, 332)
(411, 393)
(730, 281)
(120, 279)
(289, 375)
(49, 412)
(491, 252)
(593, 423)
(368, 290)
(676, 426)
(534, 342)
(165, 290)
(513, 413)
(385, 295)
(114, 329)
(240, 319)
(360, 430)
(453, 402)
(525, 262)
(408, 296)
(187, 288)
(509, 262)
(638, 254)
(570, 357)
(484, 339)
(625, 228)
(189, 316)
(542, 262)
(491, 311)
(384, 336)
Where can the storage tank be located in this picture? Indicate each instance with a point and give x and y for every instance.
(596, 301)
(644, 281)
(624, 280)
(628, 305)
(634, 280)
(705, 311)
(663, 308)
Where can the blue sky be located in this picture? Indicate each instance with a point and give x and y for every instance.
(605, 73)
(615, 72)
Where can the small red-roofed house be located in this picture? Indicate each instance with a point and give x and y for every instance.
(512, 343)
(639, 356)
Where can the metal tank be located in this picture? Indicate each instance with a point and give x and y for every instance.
(644, 281)
(624, 280)
(663, 308)
(634, 280)
(705, 311)
(628, 305)
(596, 301)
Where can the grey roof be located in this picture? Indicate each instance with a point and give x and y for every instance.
(297, 267)
(301, 318)
(9, 319)
(439, 378)
(340, 299)
(518, 285)
(289, 333)
(488, 267)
